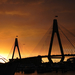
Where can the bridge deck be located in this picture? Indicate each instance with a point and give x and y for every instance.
(58, 56)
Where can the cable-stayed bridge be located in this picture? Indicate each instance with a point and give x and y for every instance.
(65, 42)
(29, 64)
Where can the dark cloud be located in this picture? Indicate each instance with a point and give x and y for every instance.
(36, 12)
(25, 7)
(22, 1)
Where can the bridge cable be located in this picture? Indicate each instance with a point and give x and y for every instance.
(10, 53)
(49, 31)
(46, 42)
(47, 39)
(67, 38)
(68, 30)
(4, 59)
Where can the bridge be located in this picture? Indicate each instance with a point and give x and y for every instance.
(49, 55)
(29, 64)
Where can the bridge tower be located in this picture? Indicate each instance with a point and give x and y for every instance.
(16, 45)
(55, 30)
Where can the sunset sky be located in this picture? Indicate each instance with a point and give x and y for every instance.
(30, 20)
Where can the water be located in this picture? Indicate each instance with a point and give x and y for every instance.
(52, 73)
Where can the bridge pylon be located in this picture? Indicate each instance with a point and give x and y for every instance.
(55, 30)
(16, 45)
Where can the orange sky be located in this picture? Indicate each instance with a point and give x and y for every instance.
(30, 20)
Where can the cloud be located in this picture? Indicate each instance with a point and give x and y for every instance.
(22, 1)
(15, 13)
(19, 7)
(67, 11)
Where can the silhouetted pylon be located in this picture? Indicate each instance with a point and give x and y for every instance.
(16, 45)
(55, 30)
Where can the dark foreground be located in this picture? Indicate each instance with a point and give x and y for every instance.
(17, 67)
